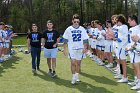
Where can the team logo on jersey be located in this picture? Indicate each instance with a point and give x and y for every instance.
(50, 37)
(34, 37)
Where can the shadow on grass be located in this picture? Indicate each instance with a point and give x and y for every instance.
(81, 86)
(100, 79)
(8, 64)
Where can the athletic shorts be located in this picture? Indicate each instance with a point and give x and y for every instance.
(108, 46)
(93, 44)
(76, 54)
(134, 57)
(102, 48)
(90, 41)
(50, 53)
(115, 46)
(1, 44)
(6, 45)
(98, 47)
(121, 54)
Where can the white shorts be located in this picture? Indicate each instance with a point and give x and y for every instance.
(98, 47)
(121, 54)
(115, 46)
(93, 44)
(6, 45)
(108, 46)
(134, 57)
(90, 41)
(50, 53)
(1, 44)
(76, 54)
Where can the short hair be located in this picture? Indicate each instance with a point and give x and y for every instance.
(49, 21)
(96, 21)
(33, 24)
(100, 24)
(133, 17)
(2, 23)
(114, 16)
(75, 16)
(121, 18)
(109, 21)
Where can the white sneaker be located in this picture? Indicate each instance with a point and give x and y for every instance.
(138, 91)
(135, 87)
(73, 81)
(110, 65)
(91, 56)
(77, 77)
(123, 80)
(100, 63)
(119, 76)
(132, 83)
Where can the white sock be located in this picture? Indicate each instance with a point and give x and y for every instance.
(135, 78)
(77, 74)
(118, 65)
(73, 75)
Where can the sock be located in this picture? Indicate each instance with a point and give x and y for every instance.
(118, 65)
(135, 78)
(73, 75)
(77, 75)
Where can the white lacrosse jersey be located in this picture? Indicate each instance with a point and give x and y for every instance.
(75, 37)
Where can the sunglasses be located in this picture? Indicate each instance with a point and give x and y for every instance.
(76, 22)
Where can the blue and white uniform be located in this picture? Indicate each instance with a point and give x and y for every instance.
(94, 41)
(7, 39)
(115, 44)
(75, 37)
(108, 44)
(2, 35)
(100, 40)
(122, 41)
(134, 53)
(90, 33)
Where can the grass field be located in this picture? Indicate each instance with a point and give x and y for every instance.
(16, 77)
(19, 40)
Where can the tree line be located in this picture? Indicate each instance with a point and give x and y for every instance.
(22, 13)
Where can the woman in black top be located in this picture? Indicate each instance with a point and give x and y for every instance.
(51, 39)
(34, 45)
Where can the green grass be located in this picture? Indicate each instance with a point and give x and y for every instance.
(16, 77)
(20, 40)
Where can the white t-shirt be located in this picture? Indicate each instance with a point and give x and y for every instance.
(123, 36)
(75, 37)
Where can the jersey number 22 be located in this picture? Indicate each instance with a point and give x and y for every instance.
(76, 37)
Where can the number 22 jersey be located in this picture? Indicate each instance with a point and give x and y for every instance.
(75, 37)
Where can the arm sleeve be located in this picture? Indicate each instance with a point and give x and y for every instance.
(125, 34)
(85, 35)
(66, 34)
